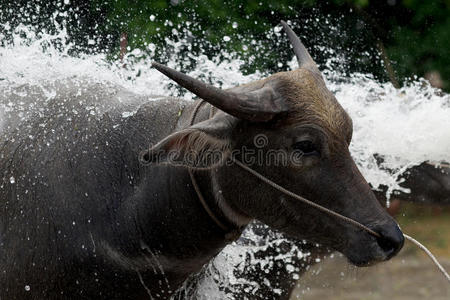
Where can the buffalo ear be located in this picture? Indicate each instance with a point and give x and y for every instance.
(201, 146)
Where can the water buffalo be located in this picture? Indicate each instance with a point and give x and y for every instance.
(87, 212)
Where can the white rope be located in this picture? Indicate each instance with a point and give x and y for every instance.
(440, 267)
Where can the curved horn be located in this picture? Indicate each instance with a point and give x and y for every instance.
(259, 106)
(304, 59)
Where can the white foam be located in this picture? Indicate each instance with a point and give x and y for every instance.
(1, 118)
(405, 127)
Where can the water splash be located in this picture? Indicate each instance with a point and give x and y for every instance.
(231, 271)
(400, 127)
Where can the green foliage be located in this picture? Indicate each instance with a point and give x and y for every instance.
(419, 43)
(245, 28)
(415, 33)
(210, 25)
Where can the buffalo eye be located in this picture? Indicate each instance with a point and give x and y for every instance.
(306, 147)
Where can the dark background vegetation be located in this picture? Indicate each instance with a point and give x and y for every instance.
(391, 39)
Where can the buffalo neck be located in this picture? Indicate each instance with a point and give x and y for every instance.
(169, 220)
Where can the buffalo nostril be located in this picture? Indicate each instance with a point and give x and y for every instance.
(387, 245)
(390, 241)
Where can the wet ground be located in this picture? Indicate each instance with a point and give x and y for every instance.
(409, 276)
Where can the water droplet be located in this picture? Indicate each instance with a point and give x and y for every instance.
(27, 288)
(127, 114)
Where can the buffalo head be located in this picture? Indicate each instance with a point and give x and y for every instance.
(298, 135)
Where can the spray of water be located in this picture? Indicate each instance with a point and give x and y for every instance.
(402, 127)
